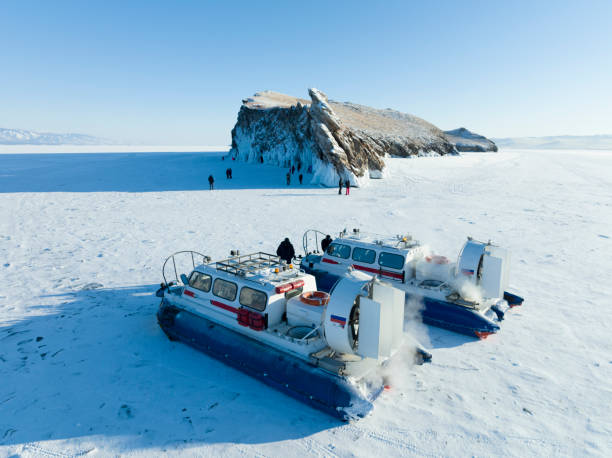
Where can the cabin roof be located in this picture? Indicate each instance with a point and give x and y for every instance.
(379, 243)
(264, 269)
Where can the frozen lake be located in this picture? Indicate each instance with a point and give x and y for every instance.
(86, 370)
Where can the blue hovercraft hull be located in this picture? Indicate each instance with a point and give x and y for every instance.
(300, 380)
(512, 299)
(435, 312)
(456, 318)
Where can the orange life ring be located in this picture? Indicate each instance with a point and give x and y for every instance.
(316, 298)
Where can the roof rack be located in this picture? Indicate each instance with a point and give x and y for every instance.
(248, 263)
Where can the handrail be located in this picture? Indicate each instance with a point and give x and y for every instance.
(205, 259)
(305, 240)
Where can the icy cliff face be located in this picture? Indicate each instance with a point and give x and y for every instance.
(465, 140)
(333, 140)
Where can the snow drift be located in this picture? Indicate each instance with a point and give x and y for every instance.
(330, 140)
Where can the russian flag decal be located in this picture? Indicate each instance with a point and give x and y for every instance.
(338, 319)
(467, 271)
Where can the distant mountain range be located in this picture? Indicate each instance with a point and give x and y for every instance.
(557, 142)
(28, 137)
(457, 137)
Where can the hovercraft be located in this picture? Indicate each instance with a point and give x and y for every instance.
(469, 297)
(266, 318)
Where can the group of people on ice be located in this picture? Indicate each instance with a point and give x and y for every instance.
(342, 183)
(211, 179)
(346, 184)
(293, 169)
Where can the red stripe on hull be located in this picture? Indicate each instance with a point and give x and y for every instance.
(378, 271)
(223, 306)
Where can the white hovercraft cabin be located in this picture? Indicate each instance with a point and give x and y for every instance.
(275, 325)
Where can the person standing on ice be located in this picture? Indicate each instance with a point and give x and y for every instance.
(340, 183)
(348, 187)
(285, 251)
(211, 182)
(325, 242)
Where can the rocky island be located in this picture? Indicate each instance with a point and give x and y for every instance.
(465, 141)
(330, 139)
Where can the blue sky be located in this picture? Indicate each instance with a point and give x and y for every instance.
(175, 72)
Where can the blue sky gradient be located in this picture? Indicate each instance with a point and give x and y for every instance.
(176, 72)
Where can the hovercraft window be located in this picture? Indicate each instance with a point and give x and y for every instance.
(394, 261)
(225, 289)
(339, 251)
(253, 298)
(364, 255)
(200, 281)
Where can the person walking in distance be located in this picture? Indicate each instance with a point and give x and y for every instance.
(340, 183)
(348, 186)
(211, 182)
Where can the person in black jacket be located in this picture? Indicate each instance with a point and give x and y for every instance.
(285, 251)
(211, 182)
(340, 183)
(325, 242)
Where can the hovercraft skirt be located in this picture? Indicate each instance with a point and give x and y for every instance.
(302, 381)
(455, 318)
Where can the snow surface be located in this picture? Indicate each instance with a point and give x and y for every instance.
(84, 368)
(573, 142)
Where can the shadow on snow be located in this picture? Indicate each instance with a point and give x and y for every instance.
(97, 365)
(135, 172)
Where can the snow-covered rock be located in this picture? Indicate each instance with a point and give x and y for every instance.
(330, 139)
(28, 137)
(465, 140)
